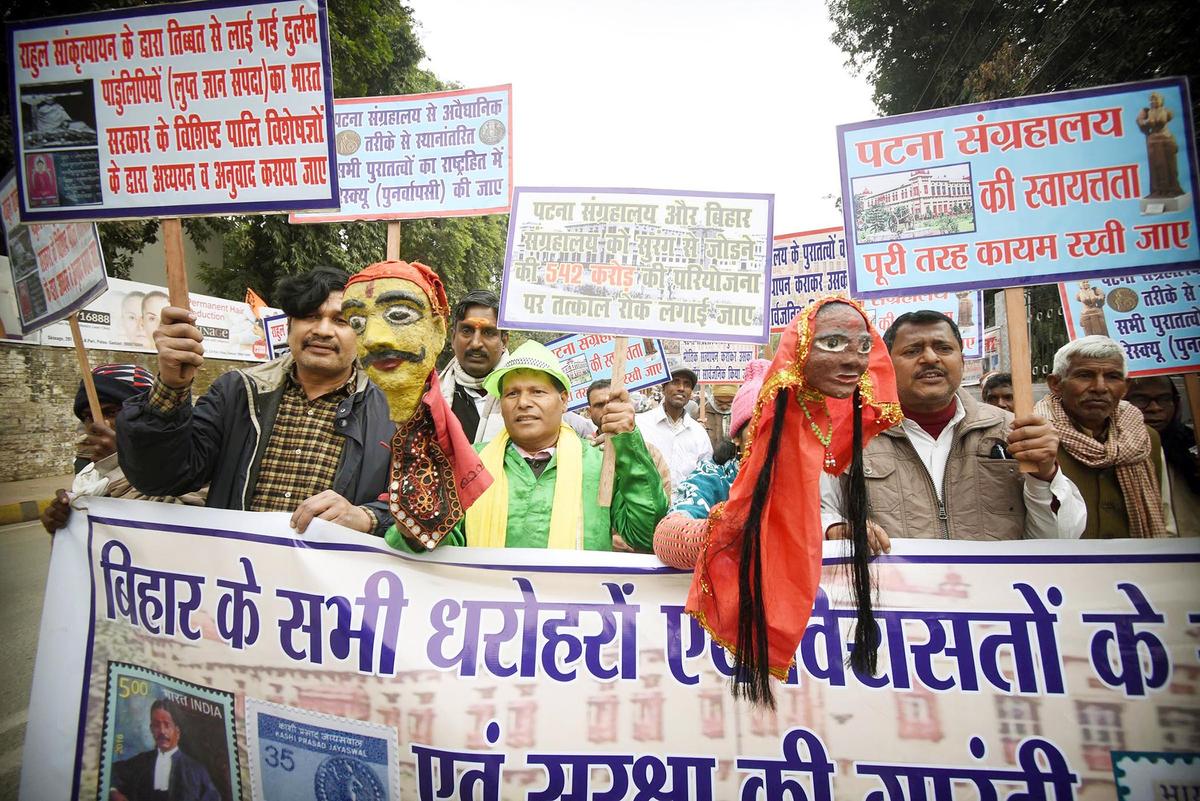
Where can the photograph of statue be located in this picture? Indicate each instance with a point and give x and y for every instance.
(1162, 153)
(1092, 320)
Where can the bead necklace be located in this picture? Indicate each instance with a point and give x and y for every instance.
(823, 437)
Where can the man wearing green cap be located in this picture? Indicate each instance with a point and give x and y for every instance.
(546, 479)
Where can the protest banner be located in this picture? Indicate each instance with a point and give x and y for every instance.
(992, 341)
(275, 332)
(124, 319)
(638, 262)
(195, 108)
(717, 362)
(1006, 668)
(56, 269)
(809, 264)
(440, 154)
(1032, 190)
(804, 266)
(1155, 317)
(590, 357)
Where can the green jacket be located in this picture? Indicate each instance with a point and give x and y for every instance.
(638, 501)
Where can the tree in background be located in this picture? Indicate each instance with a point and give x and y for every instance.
(375, 52)
(939, 53)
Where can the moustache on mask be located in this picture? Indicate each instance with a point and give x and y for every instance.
(384, 355)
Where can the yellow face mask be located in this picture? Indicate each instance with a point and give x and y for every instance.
(399, 338)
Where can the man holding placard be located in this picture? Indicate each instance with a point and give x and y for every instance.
(950, 470)
(545, 477)
(298, 434)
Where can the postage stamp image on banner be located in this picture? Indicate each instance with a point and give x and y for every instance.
(150, 716)
(297, 753)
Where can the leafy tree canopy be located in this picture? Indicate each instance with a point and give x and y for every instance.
(375, 52)
(935, 53)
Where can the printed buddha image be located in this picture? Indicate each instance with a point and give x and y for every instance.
(1092, 320)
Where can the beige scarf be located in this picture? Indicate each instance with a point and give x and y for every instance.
(1127, 449)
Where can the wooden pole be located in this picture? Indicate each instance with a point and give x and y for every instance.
(609, 465)
(85, 368)
(1019, 358)
(177, 283)
(1191, 382)
(393, 241)
(703, 415)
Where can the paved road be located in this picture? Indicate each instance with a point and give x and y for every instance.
(24, 558)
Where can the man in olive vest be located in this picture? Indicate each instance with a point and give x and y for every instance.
(1105, 446)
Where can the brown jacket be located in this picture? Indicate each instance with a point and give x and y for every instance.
(982, 495)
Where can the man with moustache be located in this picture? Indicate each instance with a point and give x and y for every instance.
(479, 348)
(950, 469)
(164, 772)
(680, 439)
(298, 434)
(1106, 448)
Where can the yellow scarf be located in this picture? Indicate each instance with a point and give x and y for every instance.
(487, 518)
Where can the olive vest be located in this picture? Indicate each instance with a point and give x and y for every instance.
(1107, 517)
(981, 496)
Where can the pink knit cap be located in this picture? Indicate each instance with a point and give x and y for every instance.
(743, 402)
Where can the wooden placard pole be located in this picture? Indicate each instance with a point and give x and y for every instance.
(1191, 383)
(609, 465)
(703, 415)
(177, 283)
(1020, 362)
(85, 369)
(393, 241)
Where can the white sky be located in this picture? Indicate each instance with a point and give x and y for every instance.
(719, 95)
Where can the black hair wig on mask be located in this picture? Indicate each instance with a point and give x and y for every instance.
(752, 674)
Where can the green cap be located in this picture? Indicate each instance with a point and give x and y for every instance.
(532, 355)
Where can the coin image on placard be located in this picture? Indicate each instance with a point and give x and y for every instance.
(1123, 299)
(343, 777)
(491, 132)
(347, 142)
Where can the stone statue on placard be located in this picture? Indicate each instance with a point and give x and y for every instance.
(1162, 153)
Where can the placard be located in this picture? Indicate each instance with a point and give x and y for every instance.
(1033, 190)
(641, 262)
(195, 108)
(1155, 317)
(56, 269)
(588, 357)
(441, 154)
(717, 362)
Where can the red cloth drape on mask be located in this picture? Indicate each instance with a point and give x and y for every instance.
(791, 535)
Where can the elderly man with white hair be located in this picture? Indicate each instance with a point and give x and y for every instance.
(1105, 447)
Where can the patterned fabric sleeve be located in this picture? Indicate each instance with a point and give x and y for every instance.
(165, 400)
(678, 540)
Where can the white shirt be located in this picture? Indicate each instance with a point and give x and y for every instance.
(683, 443)
(162, 769)
(1041, 522)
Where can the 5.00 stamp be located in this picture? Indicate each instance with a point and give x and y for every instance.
(166, 737)
(295, 753)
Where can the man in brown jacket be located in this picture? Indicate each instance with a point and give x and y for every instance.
(1106, 448)
(950, 470)
(716, 412)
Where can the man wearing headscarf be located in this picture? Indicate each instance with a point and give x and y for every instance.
(99, 474)
(546, 478)
(399, 311)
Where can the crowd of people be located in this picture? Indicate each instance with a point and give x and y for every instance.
(844, 435)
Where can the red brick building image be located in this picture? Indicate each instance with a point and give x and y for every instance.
(923, 193)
